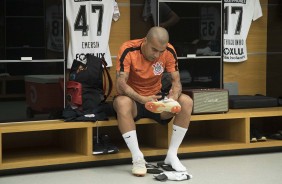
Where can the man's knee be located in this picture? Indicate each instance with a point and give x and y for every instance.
(122, 103)
(185, 101)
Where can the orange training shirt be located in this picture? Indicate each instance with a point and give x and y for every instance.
(145, 76)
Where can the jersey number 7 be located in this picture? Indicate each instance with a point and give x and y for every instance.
(234, 10)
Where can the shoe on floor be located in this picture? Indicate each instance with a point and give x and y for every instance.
(168, 105)
(166, 167)
(139, 167)
(153, 169)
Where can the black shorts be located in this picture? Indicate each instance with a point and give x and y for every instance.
(142, 112)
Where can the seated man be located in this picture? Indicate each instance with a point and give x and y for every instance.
(140, 65)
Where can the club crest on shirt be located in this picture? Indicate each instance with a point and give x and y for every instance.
(158, 68)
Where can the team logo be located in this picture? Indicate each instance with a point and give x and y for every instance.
(158, 68)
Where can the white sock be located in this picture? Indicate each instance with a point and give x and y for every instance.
(130, 139)
(176, 139)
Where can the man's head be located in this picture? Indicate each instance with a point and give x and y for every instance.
(155, 43)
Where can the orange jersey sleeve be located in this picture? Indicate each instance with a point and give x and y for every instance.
(145, 76)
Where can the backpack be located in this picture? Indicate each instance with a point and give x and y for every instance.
(86, 89)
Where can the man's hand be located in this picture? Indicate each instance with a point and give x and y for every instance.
(124, 89)
(172, 95)
(151, 98)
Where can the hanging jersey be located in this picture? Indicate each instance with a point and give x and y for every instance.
(150, 10)
(238, 16)
(89, 27)
(145, 76)
(210, 22)
(54, 20)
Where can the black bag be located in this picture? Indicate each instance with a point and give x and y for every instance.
(249, 101)
(93, 77)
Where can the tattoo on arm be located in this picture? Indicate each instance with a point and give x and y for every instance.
(124, 89)
(176, 84)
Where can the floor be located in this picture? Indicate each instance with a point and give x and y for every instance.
(263, 168)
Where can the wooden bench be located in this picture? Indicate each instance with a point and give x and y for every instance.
(53, 142)
(39, 143)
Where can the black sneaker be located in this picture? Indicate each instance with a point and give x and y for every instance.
(106, 141)
(98, 147)
(253, 137)
(259, 136)
(276, 135)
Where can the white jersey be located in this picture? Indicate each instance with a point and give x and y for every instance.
(89, 28)
(210, 22)
(54, 19)
(238, 16)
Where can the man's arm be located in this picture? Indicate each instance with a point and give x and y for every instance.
(172, 17)
(176, 87)
(171, 21)
(124, 89)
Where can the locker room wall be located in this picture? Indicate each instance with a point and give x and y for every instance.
(120, 32)
(250, 74)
